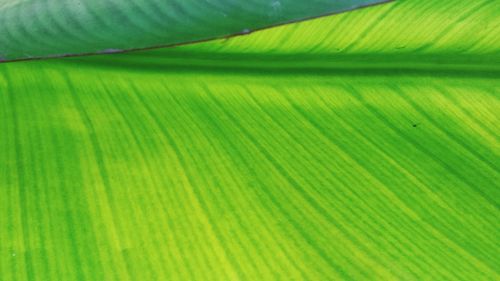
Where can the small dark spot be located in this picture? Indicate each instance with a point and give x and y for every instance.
(415, 125)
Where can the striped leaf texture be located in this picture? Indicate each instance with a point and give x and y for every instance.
(37, 29)
(361, 146)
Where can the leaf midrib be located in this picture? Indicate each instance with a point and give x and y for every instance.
(442, 65)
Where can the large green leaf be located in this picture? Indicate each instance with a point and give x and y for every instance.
(35, 28)
(361, 146)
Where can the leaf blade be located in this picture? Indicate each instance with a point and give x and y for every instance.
(35, 29)
(267, 158)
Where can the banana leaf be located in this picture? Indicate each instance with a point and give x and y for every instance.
(359, 146)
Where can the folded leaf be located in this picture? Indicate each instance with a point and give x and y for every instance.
(35, 29)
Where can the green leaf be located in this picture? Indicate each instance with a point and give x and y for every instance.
(363, 146)
(38, 29)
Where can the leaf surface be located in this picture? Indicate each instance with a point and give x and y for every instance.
(41, 29)
(363, 146)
